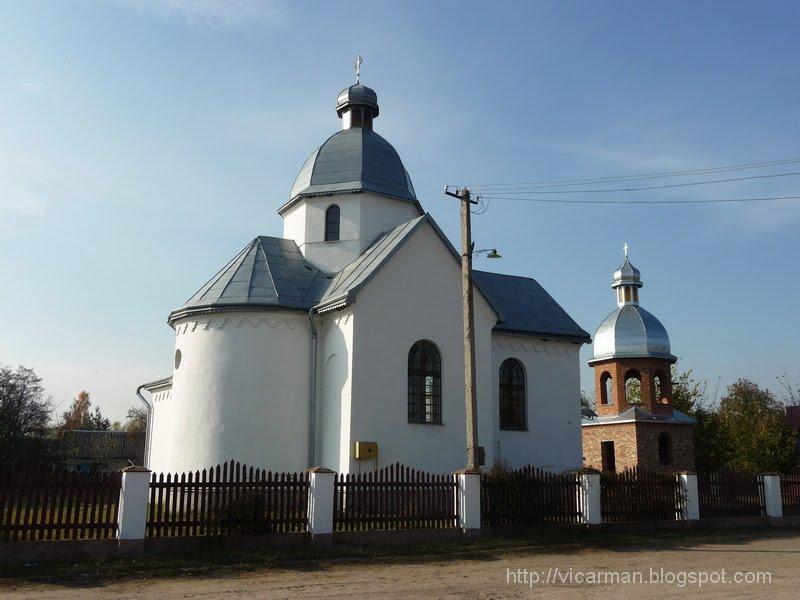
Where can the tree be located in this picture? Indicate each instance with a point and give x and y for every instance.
(136, 420)
(754, 423)
(79, 416)
(587, 401)
(78, 413)
(97, 422)
(712, 449)
(24, 410)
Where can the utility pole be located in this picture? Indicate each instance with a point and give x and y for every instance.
(469, 325)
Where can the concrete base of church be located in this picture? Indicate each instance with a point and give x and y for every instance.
(636, 445)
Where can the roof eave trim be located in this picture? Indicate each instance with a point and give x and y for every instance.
(360, 190)
(642, 355)
(336, 303)
(204, 310)
(564, 337)
(158, 384)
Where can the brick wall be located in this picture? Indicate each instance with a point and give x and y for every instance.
(637, 444)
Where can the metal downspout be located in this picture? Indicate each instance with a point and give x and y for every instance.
(312, 415)
(149, 428)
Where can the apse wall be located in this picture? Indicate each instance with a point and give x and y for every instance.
(240, 391)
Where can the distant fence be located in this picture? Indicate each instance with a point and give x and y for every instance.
(730, 494)
(228, 499)
(640, 495)
(395, 497)
(529, 496)
(40, 502)
(790, 494)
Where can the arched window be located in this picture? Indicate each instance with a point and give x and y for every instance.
(332, 218)
(424, 384)
(633, 387)
(664, 449)
(512, 396)
(606, 393)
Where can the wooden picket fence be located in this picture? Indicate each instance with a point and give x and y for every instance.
(529, 496)
(730, 494)
(395, 497)
(640, 495)
(40, 502)
(790, 494)
(227, 499)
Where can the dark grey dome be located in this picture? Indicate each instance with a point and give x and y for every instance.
(354, 160)
(357, 95)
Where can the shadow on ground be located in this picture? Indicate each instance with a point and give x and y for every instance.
(217, 562)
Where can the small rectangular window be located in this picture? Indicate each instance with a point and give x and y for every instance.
(607, 456)
(627, 294)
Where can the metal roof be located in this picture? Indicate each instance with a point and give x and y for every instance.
(631, 332)
(627, 274)
(84, 444)
(357, 94)
(353, 160)
(525, 307)
(636, 414)
(269, 272)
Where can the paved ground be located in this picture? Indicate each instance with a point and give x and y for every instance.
(490, 576)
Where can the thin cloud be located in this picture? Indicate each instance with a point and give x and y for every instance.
(22, 202)
(218, 14)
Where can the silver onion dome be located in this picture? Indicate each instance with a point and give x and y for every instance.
(630, 331)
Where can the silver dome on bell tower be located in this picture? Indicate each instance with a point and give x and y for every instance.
(630, 331)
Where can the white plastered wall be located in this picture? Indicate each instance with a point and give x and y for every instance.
(416, 296)
(334, 388)
(552, 386)
(364, 216)
(241, 392)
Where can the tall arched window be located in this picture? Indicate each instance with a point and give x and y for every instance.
(664, 449)
(606, 388)
(332, 218)
(512, 395)
(424, 384)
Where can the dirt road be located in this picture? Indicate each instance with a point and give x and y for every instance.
(578, 574)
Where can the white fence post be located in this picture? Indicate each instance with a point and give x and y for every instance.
(132, 518)
(589, 498)
(691, 499)
(468, 500)
(773, 503)
(320, 504)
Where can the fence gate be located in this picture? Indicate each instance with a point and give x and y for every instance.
(395, 497)
(40, 502)
(640, 495)
(730, 494)
(227, 499)
(529, 496)
(790, 494)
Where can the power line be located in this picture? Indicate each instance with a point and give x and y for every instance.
(570, 182)
(694, 201)
(636, 189)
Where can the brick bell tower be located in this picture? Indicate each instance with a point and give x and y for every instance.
(634, 423)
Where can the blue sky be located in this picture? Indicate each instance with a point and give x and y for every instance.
(142, 144)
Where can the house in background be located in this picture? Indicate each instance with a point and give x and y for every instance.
(634, 423)
(97, 451)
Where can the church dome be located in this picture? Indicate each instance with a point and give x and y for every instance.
(630, 331)
(357, 94)
(354, 160)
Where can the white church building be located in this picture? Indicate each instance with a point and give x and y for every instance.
(340, 344)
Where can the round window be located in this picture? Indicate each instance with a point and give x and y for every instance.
(177, 358)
